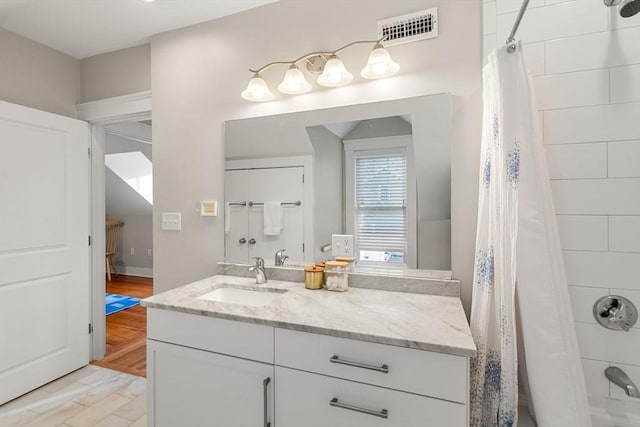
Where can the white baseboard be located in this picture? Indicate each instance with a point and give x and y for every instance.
(135, 271)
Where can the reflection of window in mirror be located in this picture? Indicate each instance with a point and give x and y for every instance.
(380, 198)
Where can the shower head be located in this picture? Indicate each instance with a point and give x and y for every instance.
(627, 9)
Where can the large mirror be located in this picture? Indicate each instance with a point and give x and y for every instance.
(380, 172)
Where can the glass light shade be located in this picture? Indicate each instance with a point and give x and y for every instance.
(379, 65)
(294, 82)
(257, 90)
(334, 74)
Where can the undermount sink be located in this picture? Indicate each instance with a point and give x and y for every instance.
(244, 296)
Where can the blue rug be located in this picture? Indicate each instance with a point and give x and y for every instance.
(117, 302)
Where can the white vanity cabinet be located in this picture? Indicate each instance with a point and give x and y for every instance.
(205, 371)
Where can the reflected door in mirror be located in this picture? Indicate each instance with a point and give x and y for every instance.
(245, 232)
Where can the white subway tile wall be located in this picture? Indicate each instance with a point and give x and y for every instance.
(597, 383)
(592, 51)
(575, 161)
(603, 270)
(585, 61)
(582, 299)
(613, 196)
(583, 232)
(624, 233)
(572, 90)
(614, 122)
(534, 57)
(624, 159)
(625, 83)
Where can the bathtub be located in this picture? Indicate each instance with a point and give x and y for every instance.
(605, 412)
(614, 413)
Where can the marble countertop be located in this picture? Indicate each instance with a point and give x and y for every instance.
(425, 322)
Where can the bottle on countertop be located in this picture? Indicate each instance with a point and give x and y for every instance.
(336, 276)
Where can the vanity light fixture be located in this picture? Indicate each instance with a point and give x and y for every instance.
(257, 90)
(380, 64)
(334, 74)
(294, 82)
(331, 70)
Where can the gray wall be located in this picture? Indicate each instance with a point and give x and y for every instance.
(40, 77)
(198, 73)
(137, 233)
(116, 73)
(123, 203)
(37, 76)
(379, 128)
(328, 160)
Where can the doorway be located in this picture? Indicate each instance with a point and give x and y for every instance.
(129, 247)
(113, 116)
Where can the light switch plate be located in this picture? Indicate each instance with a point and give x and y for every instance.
(342, 245)
(171, 221)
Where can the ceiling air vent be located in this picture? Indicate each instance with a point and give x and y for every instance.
(412, 27)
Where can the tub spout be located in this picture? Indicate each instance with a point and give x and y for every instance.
(622, 380)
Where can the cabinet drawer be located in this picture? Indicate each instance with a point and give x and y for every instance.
(423, 372)
(246, 340)
(305, 399)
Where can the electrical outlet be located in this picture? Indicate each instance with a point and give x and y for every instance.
(132, 251)
(341, 245)
(148, 252)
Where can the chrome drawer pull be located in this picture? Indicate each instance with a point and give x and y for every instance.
(336, 359)
(382, 414)
(265, 391)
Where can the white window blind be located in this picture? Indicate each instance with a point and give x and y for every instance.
(380, 202)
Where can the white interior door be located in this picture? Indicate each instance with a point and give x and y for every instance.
(283, 185)
(44, 252)
(236, 186)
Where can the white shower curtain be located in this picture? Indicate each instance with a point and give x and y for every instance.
(519, 266)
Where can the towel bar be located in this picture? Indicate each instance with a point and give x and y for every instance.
(297, 203)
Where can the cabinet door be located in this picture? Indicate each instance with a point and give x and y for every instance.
(277, 185)
(194, 388)
(312, 400)
(236, 187)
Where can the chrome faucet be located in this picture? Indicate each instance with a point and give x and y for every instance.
(281, 257)
(325, 248)
(622, 380)
(258, 269)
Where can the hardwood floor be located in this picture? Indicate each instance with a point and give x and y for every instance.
(126, 349)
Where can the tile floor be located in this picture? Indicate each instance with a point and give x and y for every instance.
(92, 397)
(89, 397)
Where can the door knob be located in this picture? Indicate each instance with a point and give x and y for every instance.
(242, 241)
(252, 241)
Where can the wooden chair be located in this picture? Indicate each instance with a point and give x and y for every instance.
(112, 231)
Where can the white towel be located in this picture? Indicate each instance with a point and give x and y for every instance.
(227, 218)
(272, 218)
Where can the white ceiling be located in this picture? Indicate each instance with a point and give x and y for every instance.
(83, 28)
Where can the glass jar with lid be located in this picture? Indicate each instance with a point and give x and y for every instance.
(336, 276)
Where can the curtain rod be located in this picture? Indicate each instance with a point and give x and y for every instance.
(512, 37)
